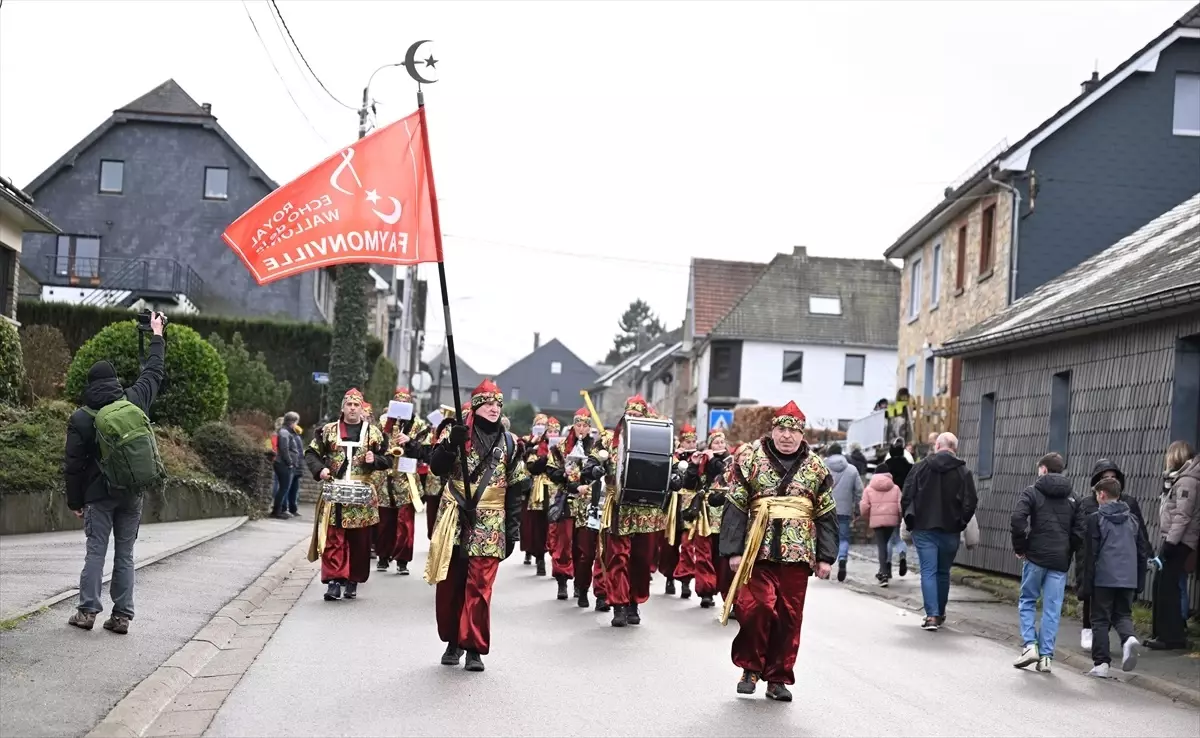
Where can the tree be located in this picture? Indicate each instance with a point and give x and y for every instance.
(520, 416)
(381, 387)
(12, 365)
(638, 317)
(348, 354)
(252, 386)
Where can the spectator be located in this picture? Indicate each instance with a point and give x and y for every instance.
(881, 507)
(292, 421)
(1104, 469)
(899, 463)
(858, 458)
(1179, 533)
(110, 499)
(847, 491)
(273, 454)
(1114, 571)
(1047, 530)
(937, 503)
(289, 456)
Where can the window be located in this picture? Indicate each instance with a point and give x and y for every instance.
(112, 177)
(1187, 105)
(856, 369)
(929, 376)
(216, 183)
(825, 305)
(935, 276)
(516, 394)
(987, 232)
(554, 397)
(324, 291)
(914, 290)
(844, 425)
(987, 434)
(1060, 412)
(8, 268)
(910, 376)
(793, 366)
(1185, 397)
(556, 367)
(722, 362)
(78, 257)
(960, 259)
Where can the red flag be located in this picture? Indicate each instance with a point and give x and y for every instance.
(368, 203)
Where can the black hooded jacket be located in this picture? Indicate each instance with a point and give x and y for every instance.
(1088, 505)
(81, 463)
(1047, 528)
(939, 494)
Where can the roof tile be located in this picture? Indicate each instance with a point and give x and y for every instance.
(166, 99)
(716, 286)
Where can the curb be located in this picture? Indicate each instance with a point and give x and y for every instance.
(50, 601)
(984, 629)
(181, 696)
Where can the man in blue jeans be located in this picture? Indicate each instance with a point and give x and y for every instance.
(847, 492)
(938, 501)
(1047, 530)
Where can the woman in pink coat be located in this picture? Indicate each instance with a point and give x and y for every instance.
(880, 506)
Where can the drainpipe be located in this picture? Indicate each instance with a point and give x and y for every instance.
(1013, 240)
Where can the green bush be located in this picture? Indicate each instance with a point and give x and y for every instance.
(196, 389)
(251, 385)
(47, 360)
(348, 360)
(381, 387)
(234, 457)
(32, 441)
(12, 368)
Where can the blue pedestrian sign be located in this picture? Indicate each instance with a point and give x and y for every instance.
(720, 420)
(321, 377)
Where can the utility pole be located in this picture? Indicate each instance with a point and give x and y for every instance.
(404, 368)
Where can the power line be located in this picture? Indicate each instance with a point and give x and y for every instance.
(280, 75)
(301, 53)
(574, 255)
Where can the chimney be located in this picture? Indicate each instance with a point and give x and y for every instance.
(537, 340)
(800, 252)
(207, 108)
(1090, 84)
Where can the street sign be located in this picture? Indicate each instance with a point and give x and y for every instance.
(421, 381)
(321, 377)
(720, 419)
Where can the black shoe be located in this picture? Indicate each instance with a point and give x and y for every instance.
(541, 567)
(294, 513)
(685, 590)
(280, 515)
(670, 587)
(930, 624)
(706, 602)
(842, 570)
(351, 590)
(333, 591)
(474, 662)
(903, 564)
(562, 589)
(1158, 644)
(748, 682)
(940, 620)
(583, 600)
(619, 619)
(382, 565)
(602, 604)
(632, 615)
(452, 655)
(402, 568)
(528, 559)
(779, 693)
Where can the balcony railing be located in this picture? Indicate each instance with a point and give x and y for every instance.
(142, 277)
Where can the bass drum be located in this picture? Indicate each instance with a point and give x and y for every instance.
(646, 461)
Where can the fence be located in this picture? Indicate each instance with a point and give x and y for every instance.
(933, 415)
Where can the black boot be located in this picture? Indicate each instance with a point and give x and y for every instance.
(562, 588)
(402, 568)
(528, 559)
(351, 590)
(475, 662)
(670, 586)
(748, 683)
(841, 570)
(779, 693)
(382, 564)
(333, 591)
(632, 615)
(903, 564)
(706, 602)
(452, 655)
(583, 600)
(685, 590)
(541, 565)
(602, 604)
(619, 620)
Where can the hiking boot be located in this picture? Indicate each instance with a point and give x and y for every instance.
(562, 589)
(842, 570)
(748, 683)
(1129, 652)
(474, 662)
(602, 604)
(903, 564)
(452, 655)
(583, 600)
(333, 591)
(528, 559)
(619, 619)
(1029, 655)
(351, 590)
(541, 566)
(81, 619)
(402, 568)
(632, 615)
(779, 693)
(382, 565)
(685, 591)
(118, 624)
(706, 602)
(670, 587)
(930, 624)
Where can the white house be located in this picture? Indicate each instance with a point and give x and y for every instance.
(816, 330)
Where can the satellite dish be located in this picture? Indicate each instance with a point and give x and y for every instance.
(421, 381)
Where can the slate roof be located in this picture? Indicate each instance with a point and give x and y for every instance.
(22, 205)
(776, 307)
(468, 378)
(166, 103)
(716, 286)
(1153, 269)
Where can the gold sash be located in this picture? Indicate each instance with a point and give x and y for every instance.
(441, 545)
(541, 484)
(672, 517)
(607, 516)
(762, 512)
(413, 493)
(324, 514)
(702, 526)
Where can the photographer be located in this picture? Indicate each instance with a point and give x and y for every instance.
(111, 460)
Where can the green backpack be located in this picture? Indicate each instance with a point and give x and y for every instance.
(129, 457)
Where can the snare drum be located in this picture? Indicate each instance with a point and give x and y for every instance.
(350, 492)
(645, 461)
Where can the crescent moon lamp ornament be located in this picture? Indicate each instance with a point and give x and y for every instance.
(410, 63)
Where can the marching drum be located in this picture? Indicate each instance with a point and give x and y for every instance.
(645, 461)
(344, 492)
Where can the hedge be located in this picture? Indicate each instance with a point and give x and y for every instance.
(12, 368)
(293, 350)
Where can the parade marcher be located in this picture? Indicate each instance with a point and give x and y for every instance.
(478, 523)
(575, 544)
(699, 552)
(628, 542)
(672, 538)
(342, 532)
(779, 528)
(536, 452)
(400, 492)
(431, 484)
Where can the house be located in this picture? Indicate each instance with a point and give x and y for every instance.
(1101, 362)
(18, 216)
(811, 329)
(549, 377)
(442, 390)
(714, 286)
(640, 374)
(1123, 151)
(142, 201)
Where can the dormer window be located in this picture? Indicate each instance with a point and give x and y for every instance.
(825, 305)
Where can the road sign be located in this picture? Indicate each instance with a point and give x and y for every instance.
(421, 381)
(720, 419)
(321, 377)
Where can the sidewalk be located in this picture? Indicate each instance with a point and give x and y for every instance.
(991, 615)
(40, 569)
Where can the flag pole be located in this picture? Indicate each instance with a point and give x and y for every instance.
(441, 265)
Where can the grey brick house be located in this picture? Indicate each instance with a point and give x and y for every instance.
(1102, 362)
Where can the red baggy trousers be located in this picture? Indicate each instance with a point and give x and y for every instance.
(561, 540)
(394, 540)
(347, 555)
(587, 565)
(696, 560)
(770, 612)
(463, 603)
(534, 530)
(628, 559)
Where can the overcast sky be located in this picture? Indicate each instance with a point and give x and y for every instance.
(584, 152)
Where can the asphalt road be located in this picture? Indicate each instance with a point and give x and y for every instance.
(370, 668)
(56, 680)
